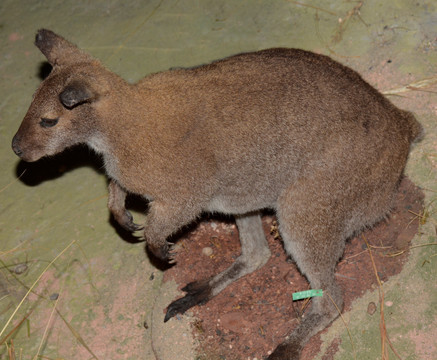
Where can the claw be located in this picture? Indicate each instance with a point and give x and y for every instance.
(136, 227)
(165, 252)
(133, 227)
(129, 224)
(125, 220)
(171, 257)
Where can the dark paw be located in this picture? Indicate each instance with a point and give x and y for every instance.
(165, 252)
(126, 221)
(286, 351)
(198, 293)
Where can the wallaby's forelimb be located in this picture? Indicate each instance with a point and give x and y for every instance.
(116, 204)
(163, 220)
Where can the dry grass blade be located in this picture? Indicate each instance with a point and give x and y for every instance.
(338, 36)
(411, 247)
(50, 318)
(325, 44)
(344, 322)
(11, 351)
(382, 327)
(15, 180)
(16, 278)
(415, 86)
(34, 284)
(2, 253)
(313, 7)
(15, 328)
(423, 217)
(77, 336)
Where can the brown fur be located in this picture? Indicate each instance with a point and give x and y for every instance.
(281, 128)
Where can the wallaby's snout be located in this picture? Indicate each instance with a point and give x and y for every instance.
(16, 146)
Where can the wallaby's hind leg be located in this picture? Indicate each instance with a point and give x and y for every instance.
(321, 314)
(312, 234)
(254, 254)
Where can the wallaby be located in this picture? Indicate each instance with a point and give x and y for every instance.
(284, 129)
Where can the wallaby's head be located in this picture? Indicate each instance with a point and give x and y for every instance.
(64, 108)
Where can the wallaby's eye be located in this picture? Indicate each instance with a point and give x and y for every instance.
(46, 123)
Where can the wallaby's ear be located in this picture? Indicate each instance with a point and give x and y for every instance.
(76, 93)
(57, 50)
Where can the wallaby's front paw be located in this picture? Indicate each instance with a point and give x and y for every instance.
(164, 252)
(127, 223)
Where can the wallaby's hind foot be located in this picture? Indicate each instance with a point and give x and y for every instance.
(323, 311)
(287, 351)
(198, 293)
(311, 324)
(254, 254)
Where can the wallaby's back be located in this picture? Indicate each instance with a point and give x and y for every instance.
(268, 118)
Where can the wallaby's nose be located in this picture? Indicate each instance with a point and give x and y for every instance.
(15, 146)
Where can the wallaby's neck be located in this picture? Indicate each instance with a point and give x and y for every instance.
(116, 117)
(120, 118)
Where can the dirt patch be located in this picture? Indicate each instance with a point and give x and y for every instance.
(253, 315)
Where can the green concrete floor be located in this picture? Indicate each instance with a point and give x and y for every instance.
(107, 287)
